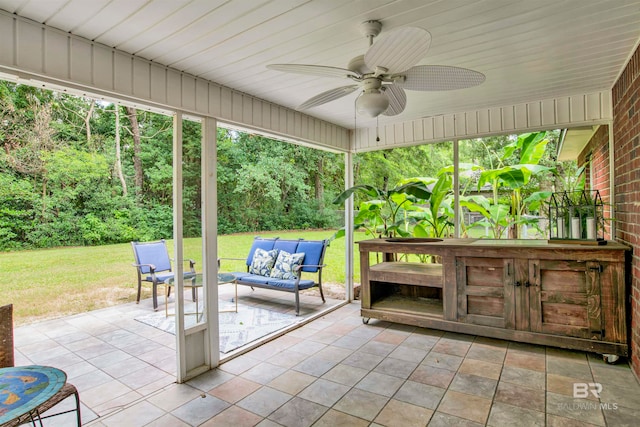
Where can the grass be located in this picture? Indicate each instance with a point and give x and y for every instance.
(51, 283)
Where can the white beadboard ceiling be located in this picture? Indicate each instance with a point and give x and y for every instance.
(528, 50)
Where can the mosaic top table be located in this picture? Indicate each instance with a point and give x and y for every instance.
(24, 388)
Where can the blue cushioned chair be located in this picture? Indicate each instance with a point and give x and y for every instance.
(154, 265)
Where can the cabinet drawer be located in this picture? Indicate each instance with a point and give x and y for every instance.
(409, 273)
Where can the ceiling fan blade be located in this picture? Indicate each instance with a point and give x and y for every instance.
(397, 100)
(440, 77)
(400, 50)
(327, 96)
(314, 70)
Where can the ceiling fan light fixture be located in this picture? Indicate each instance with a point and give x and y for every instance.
(372, 103)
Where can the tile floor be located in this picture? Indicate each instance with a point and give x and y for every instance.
(333, 371)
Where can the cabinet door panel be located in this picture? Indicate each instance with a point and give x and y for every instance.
(565, 298)
(485, 291)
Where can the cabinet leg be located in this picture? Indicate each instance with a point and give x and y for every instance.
(611, 359)
(365, 320)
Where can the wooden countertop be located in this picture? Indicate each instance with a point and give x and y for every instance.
(419, 245)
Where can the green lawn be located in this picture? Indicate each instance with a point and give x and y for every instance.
(57, 282)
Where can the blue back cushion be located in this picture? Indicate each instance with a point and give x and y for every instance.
(152, 253)
(286, 245)
(314, 252)
(266, 244)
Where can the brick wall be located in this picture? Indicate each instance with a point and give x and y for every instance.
(626, 138)
(597, 153)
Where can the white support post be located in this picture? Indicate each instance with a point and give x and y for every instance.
(456, 190)
(348, 226)
(177, 251)
(209, 238)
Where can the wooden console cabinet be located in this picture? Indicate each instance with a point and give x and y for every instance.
(564, 295)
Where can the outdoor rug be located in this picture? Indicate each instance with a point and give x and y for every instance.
(236, 329)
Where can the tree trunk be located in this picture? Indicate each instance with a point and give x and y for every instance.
(137, 163)
(319, 185)
(118, 165)
(87, 123)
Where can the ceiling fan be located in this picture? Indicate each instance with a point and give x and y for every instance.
(385, 71)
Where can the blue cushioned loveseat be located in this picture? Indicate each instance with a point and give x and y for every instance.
(279, 264)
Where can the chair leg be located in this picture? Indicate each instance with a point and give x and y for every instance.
(139, 290)
(155, 296)
(78, 418)
(321, 294)
(297, 303)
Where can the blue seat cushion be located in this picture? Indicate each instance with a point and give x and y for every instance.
(289, 284)
(161, 277)
(312, 253)
(253, 278)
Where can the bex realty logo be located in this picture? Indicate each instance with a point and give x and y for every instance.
(582, 390)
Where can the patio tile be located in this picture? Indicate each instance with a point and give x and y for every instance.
(520, 359)
(396, 367)
(419, 394)
(361, 404)
(397, 413)
(464, 405)
(264, 401)
(105, 392)
(142, 377)
(238, 365)
(569, 368)
(263, 373)
(523, 377)
(174, 396)
(324, 392)
(410, 354)
(364, 331)
(210, 379)
(433, 376)
(158, 384)
(110, 358)
(315, 365)
(308, 347)
(557, 421)
(333, 418)
(474, 384)
(383, 384)
(481, 368)
(363, 360)
(391, 337)
(505, 415)
(440, 419)
(90, 380)
(453, 347)
(421, 341)
(298, 412)
(233, 416)
(629, 397)
(345, 374)
(579, 409)
(334, 354)
(352, 343)
(286, 358)
(114, 404)
(292, 382)
(378, 348)
(622, 417)
(518, 395)
(234, 389)
(443, 361)
(564, 385)
(124, 367)
(200, 409)
(324, 337)
(134, 416)
(486, 353)
(166, 420)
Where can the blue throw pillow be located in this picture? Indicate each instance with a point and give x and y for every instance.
(283, 268)
(263, 261)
